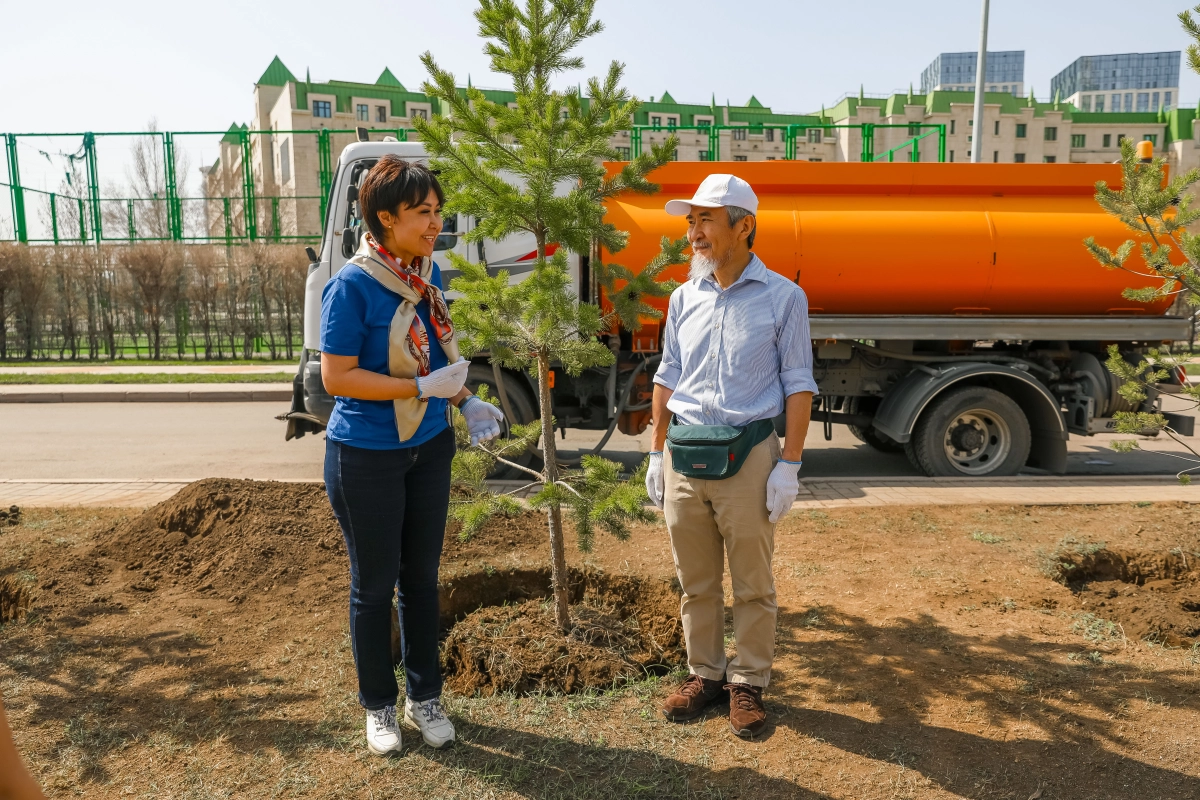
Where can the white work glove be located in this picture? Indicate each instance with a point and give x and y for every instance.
(483, 419)
(782, 488)
(655, 482)
(445, 382)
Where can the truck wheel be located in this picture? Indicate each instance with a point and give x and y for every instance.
(971, 431)
(880, 441)
(868, 435)
(523, 408)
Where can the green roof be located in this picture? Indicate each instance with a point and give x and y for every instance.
(753, 102)
(386, 78)
(234, 134)
(666, 98)
(277, 74)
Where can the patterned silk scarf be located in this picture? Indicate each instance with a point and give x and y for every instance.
(439, 312)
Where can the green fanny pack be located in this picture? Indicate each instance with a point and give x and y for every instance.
(713, 452)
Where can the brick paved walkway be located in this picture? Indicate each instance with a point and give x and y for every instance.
(814, 493)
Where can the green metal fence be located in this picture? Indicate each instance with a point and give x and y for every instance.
(82, 214)
(244, 211)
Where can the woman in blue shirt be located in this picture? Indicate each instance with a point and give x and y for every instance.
(390, 357)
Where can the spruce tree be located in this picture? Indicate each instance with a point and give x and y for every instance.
(1158, 212)
(536, 168)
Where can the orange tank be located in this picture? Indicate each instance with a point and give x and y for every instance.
(903, 238)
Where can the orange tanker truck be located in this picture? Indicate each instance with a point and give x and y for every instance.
(955, 313)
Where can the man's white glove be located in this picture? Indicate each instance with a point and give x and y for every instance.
(782, 488)
(655, 481)
(445, 382)
(483, 419)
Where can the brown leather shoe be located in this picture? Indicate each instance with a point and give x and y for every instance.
(691, 698)
(747, 714)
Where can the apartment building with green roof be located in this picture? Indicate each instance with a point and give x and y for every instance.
(1016, 130)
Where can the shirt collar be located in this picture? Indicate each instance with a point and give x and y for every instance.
(756, 270)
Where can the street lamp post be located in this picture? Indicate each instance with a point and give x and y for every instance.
(980, 77)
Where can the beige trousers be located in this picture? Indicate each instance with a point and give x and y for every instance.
(706, 520)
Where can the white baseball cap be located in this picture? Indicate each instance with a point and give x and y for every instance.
(717, 191)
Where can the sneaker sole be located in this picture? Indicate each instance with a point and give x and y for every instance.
(746, 733)
(436, 746)
(373, 749)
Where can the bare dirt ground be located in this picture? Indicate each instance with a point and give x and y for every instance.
(923, 652)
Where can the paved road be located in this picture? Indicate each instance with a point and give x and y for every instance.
(184, 441)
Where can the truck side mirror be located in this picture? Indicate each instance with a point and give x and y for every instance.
(349, 242)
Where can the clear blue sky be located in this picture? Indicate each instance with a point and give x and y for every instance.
(72, 66)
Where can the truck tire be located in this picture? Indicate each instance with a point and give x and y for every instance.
(523, 407)
(971, 431)
(880, 441)
(868, 435)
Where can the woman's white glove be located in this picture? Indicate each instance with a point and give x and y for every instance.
(483, 419)
(655, 481)
(445, 382)
(782, 488)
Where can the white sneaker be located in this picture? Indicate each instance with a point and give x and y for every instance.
(383, 732)
(430, 719)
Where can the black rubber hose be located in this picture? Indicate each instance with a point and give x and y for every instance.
(951, 359)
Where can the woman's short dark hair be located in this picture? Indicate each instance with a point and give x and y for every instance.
(391, 184)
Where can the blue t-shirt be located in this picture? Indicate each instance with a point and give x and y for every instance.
(356, 312)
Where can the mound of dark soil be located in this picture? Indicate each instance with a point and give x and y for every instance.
(229, 536)
(1151, 595)
(625, 628)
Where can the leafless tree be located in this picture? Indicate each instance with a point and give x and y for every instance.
(10, 256)
(292, 275)
(154, 270)
(203, 292)
(69, 296)
(31, 282)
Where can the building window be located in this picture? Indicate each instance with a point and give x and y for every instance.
(672, 122)
(739, 134)
(814, 135)
(656, 122)
(675, 154)
(1154, 101)
(739, 158)
(321, 108)
(705, 155)
(996, 128)
(951, 155)
(814, 159)
(1143, 101)
(1087, 102)
(1018, 158)
(363, 112)
(285, 161)
(1128, 102)
(623, 153)
(995, 156)
(413, 113)
(1020, 130)
(1078, 140)
(1167, 101)
(381, 113)
(770, 158)
(1108, 140)
(1152, 138)
(1099, 104)
(951, 126)
(1049, 159)
(1050, 134)
(703, 122)
(914, 130)
(769, 133)
(1120, 138)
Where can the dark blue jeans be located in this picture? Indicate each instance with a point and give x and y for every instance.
(392, 507)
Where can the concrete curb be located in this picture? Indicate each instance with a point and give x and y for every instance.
(147, 393)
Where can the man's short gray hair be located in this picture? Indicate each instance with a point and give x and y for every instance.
(736, 215)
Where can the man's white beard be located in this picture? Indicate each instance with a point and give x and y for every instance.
(701, 267)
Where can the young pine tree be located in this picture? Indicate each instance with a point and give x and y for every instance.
(1158, 214)
(536, 168)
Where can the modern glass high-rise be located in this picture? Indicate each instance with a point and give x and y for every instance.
(955, 72)
(1125, 82)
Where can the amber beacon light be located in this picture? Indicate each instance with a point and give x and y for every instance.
(1145, 151)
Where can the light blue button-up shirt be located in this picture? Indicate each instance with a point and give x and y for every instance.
(731, 356)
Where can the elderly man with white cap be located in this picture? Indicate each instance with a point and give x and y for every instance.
(736, 354)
